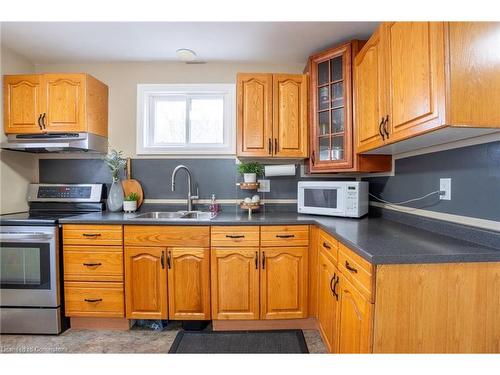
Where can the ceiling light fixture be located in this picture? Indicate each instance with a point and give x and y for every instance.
(186, 55)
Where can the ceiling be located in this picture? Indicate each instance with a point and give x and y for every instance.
(277, 42)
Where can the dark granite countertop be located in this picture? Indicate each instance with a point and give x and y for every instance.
(378, 240)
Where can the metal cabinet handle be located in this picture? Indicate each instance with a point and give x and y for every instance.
(93, 299)
(256, 260)
(312, 158)
(331, 282)
(263, 260)
(92, 235)
(335, 288)
(92, 264)
(39, 123)
(169, 260)
(380, 129)
(270, 146)
(43, 120)
(162, 260)
(326, 246)
(350, 268)
(235, 236)
(386, 121)
(285, 235)
(275, 145)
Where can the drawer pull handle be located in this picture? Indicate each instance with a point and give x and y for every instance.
(326, 246)
(93, 299)
(92, 264)
(348, 266)
(285, 235)
(235, 236)
(92, 235)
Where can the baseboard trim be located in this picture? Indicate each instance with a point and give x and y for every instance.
(258, 325)
(458, 219)
(115, 324)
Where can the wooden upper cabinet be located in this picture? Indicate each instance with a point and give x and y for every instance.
(255, 117)
(145, 283)
(188, 283)
(272, 115)
(65, 102)
(290, 115)
(356, 320)
(415, 77)
(22, 104)
(235, 283)
(283, 290)
(368, 95)
(328, 302)
(49, 103)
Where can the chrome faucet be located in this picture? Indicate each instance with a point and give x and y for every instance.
(189, 196)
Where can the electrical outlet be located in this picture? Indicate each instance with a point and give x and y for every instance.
(445, 185)
(265, 186)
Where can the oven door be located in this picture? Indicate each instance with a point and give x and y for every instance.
(321, 199)
(29, 267)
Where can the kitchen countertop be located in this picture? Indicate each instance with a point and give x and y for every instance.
(378, 240)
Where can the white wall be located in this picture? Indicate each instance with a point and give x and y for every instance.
(17, 169)
(122, 79)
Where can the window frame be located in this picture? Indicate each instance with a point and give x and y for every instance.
(145, 93)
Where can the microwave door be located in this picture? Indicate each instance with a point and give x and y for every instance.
(324, 200)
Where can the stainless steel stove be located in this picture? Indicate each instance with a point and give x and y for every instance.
(31, 257)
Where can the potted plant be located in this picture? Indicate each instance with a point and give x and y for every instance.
(250, 171)
(116, 162)
(130, 202)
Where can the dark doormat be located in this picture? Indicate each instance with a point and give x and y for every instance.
(282, 341)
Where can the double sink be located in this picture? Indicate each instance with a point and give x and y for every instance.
(174, 215)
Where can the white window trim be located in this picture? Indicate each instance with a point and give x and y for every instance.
(228, 91)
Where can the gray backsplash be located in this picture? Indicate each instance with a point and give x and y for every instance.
(474, 173)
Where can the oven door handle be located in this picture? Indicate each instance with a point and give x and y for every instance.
(25, 237)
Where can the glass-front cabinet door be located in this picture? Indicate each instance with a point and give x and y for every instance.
(331, 107)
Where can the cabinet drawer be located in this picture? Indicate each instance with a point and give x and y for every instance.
(92, 235)
(357, 270)
(235, 236)
(329, 245)
(284, 235)
(94, 299)
(167, 235)
(93, 263)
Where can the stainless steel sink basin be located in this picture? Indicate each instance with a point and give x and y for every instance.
(176, 215)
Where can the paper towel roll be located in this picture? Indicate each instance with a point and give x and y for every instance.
(280, 170)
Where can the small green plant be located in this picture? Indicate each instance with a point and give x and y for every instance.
(251, 167)
(116, 162)
(132, 197)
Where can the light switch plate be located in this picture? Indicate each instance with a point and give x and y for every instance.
(445, 185)
(265, 186)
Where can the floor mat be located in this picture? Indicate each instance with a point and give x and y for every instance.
(281, 341)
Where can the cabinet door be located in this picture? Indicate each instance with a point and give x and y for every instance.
(235, 283)
(356, 320)
(65, 102)
(283, 290)
(188, 283)
(369, 102)
(328, 306)
(145, 283)
(22, 104)
(290, 115)
(332, 107)
(414, 56)
(255, 127)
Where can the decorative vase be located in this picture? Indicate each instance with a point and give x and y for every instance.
(250, 177)
(114, 202)
(129, 206)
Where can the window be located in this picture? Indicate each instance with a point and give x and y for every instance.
(186, 119)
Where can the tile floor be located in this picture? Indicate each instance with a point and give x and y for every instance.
(133, 341)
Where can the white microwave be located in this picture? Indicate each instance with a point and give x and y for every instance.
(333, 198)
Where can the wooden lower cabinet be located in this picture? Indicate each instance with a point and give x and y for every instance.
(328, 303)
(356, 320)
(235, 283)
(283, 290)
(145, 283)
(188, 283)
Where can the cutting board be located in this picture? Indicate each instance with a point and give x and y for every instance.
(132, 186)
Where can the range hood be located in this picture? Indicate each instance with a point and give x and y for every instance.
(57, 142)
